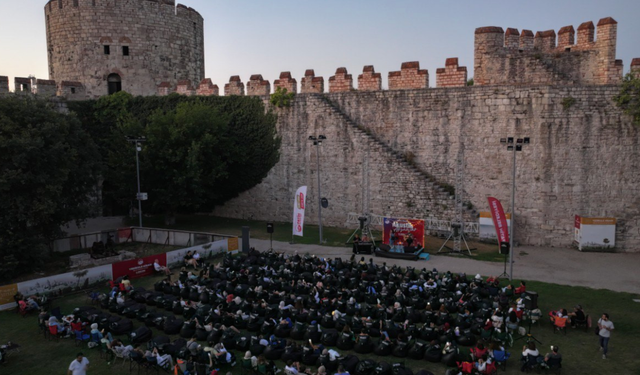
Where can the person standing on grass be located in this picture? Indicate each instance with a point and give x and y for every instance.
(79, 366)
(606, 326)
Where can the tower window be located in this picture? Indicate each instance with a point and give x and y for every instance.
(73, 90)
(125, 50)
(115, 83)
(107, 50)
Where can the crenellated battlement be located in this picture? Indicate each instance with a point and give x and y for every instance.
(410, 76)
(369, 80)
(509, 57)
(234, 87)
(341, 81)
(258, 86)
(286, 82)
(451, 75)
(166, 7)
(310, 83)
(45, 88)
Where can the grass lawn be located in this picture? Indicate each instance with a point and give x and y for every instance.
(332, 235)
(579, 348)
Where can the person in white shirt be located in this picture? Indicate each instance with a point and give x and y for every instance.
(606, 326)
(79, 366)
(159, 268)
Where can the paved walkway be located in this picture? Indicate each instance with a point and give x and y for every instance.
(617, 272)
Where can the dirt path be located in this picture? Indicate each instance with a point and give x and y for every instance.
(617, 272)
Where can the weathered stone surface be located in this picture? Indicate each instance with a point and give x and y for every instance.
(582, 159)
(165, 44)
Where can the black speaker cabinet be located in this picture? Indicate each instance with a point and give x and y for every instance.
(504, 248)
(530, 300)
(269, 227)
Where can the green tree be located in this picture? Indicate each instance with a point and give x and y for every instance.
(629, 97)
(49, 169)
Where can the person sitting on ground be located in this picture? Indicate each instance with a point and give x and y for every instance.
(196, 258)
(189, 261)
(577, 315)
(341, 370)
(221, 353)
(252, 358)
(127, 283)
(291, 367)
(160, 268)
(554, 355)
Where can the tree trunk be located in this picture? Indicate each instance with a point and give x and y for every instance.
(169, 218)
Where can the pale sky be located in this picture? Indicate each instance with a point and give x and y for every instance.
(244, 37)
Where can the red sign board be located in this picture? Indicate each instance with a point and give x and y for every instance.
(136, 268)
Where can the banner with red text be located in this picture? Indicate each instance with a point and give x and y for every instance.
(499, 219)
(402, 228)
(299, 202)
(136, 268)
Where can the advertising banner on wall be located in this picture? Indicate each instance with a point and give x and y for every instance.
(175, 258)
(402, 228)
(298, 210)
(136, 268)
(66, 282)
(6, 295)
(499, 219)
(594, 232)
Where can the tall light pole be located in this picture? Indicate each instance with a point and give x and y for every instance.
(317, 141)
(137, 142)
(513, 145)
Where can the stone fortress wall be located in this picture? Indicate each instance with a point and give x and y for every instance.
(141, 43)
(396, 149)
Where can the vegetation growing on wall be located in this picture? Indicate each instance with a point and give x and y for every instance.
(629, 97)
(281, 98)
(199, 151)
(49, 167)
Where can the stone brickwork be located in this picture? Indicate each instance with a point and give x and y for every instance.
(22, 85)
(579, 160)
(257, 86)
(165, 88)
(635, 67)
(452, 75)
(4, 85)
(310, 83)
(369, 80)
(410, 76)
(140, 42)
(72, 90)
(341, 81)
(207, 88)
(184, 87)
(286, 82)
(46, 88)
(234, 87)
(536, 60)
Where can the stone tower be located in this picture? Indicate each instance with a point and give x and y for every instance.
(129, 45)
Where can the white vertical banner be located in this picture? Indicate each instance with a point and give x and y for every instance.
(298, 210)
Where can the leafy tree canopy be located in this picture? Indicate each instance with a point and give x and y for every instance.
(629, 97)
(199, 151)
(48, 171)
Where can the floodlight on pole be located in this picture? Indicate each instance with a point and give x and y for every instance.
(317, 141)
(137, 141)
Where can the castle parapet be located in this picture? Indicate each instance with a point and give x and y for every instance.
(286, 82)
(184, 87)
(635, 68)
(452, 75)
(566, 37)
(22, 85)
(4, 85)
(410, 76)
(46, 88)
(310, 83)
(257, 86)
(72, 90)
(369, 80)
(538, 60)
(341, 81)
(207, 88)
(164, 89)
(234, 87)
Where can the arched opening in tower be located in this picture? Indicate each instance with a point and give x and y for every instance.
(115, 83)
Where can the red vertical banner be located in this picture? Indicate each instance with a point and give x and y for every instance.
(499, 219)
(136, 268)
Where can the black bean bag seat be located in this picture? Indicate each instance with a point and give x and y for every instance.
(282, 331)
(329, 337)
(401, 349)
(365, 367)
(312, 334)
(188, 330)
(172, 326)
(140, 335)
(417, 350)
(243, 343)
(346, 341)
(364, 345)
(384, 348)
(272, 353)
(298, 331)
(290, 354)
(325, 360)
(350, 362)
(383, 368)
(121, 327)
(433, 354)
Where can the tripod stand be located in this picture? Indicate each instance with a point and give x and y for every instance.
(364, 229)
(504, 273)
(529, 336)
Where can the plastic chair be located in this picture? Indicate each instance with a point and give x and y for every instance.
(582, 323)
(559, 324)
(500, 357)
(247, 366)
(553, 364)
(53, 332)
(81, 337)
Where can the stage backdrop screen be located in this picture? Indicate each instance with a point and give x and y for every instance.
(403, 227)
